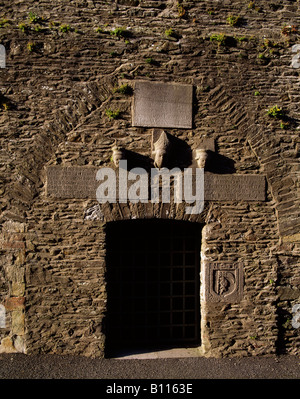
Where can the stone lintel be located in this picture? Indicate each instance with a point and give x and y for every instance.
(77, 182)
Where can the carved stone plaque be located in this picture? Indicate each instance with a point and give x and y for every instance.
(224, 283)
(235, 187)
(162, 105)
(71, 182)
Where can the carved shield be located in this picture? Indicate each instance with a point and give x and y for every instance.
(224, 283)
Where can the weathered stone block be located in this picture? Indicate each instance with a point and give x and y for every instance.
(17, 288)
(7, 346)
(19, 344)
(13, 303)
(18, 322)
(162, 105)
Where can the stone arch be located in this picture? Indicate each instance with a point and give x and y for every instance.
(116, 212)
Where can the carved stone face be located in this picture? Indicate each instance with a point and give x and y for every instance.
(161, 151)
(201, 157)
(117, 155)
(160, 158)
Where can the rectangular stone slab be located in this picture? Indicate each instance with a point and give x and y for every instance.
(71, 182)
(234, 187)
(162, 105)
(79, 182)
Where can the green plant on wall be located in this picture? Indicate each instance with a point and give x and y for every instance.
(234, 20)
(24, 27)
(181, 9)
(275, 112)
(171, 33)
(269, 48)
(211, 11)
(4, 22)
(284, 125)
(120, 32)
(241, 39)
(269, 44)
(253, 337)
(253, 6)
(99, 30)
(220, 38)
(279, 114)
(65, 28)
(261, 56)
(31, 47)
(150, 60)
(5, 104)
(112, 114)
(38, 28)
(4, 107)
(287, 323)
(34, 18)
(124, 89)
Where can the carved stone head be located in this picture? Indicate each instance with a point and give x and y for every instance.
(201, 156)
(161, 150)
(117, 154)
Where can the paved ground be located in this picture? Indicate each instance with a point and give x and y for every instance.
(19, 366)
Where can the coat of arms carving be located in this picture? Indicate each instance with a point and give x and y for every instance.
(224, 283)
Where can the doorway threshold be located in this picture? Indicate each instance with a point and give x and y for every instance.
(161, 354)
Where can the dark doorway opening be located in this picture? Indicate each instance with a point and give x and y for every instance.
(153, 285)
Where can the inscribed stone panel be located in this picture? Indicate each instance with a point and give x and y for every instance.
(163, 105)
(71, 182)
(234, 187)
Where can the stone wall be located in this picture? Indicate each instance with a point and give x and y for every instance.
(66, 67)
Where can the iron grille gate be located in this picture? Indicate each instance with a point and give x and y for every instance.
(153, 285)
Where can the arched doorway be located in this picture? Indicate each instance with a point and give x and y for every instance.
(153, 285)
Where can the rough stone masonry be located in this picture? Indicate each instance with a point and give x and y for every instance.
(79, 78)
